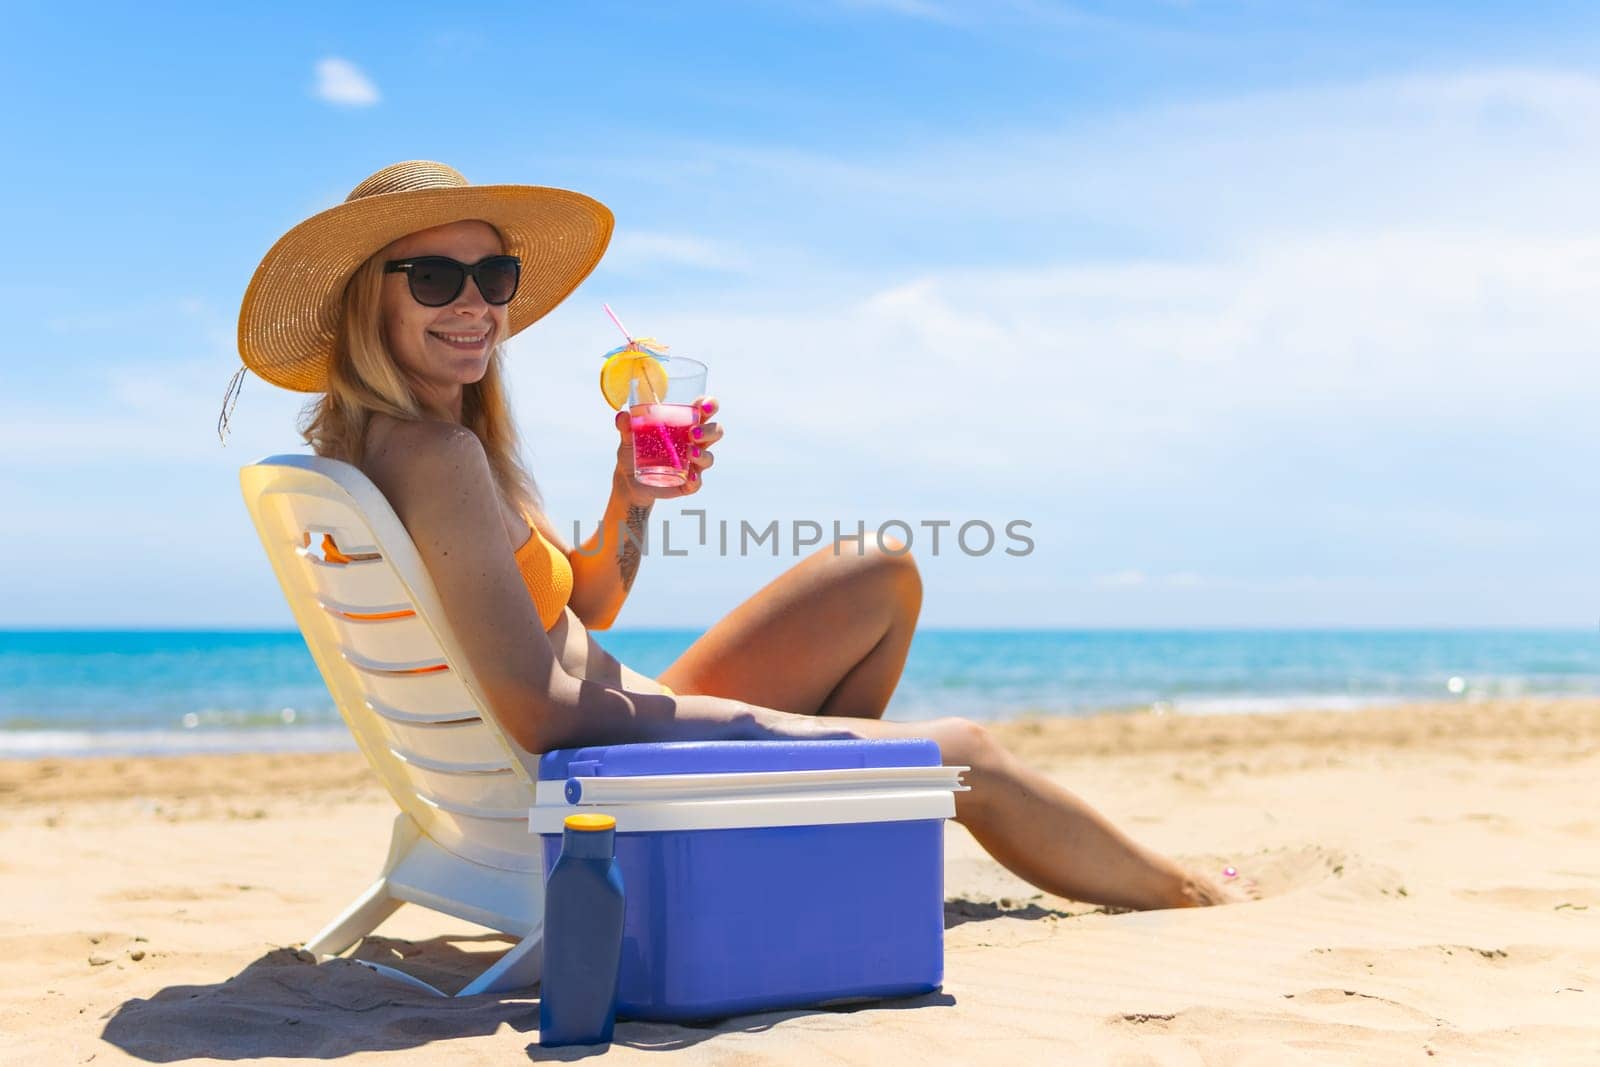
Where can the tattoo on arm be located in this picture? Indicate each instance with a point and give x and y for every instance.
(628, 553)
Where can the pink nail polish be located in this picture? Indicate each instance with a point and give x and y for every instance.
(699, 432)
(693, 475)
(708, 408)
(696, 451)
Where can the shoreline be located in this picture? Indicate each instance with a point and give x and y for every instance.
(1459, 727)
(322, 737)
(1430, 878)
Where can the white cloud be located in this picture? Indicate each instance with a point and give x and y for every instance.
(1498, 149)
(1028, 14)
(646, 252)
(341, 82)
(159, 412)
(1136, 579)
(918, 9)
(1120, 370)
(1397, 256)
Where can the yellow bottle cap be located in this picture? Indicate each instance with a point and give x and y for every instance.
(590, 822)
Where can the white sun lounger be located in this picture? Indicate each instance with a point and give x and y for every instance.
(375, 627)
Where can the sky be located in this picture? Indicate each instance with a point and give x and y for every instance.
(1256, 314)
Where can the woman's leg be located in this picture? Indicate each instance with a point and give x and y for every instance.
(1044, 833)
(829, 636)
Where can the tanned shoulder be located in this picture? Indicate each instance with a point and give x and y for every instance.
(415, 459)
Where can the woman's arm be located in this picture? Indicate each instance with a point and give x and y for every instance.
(589, 713)
(605, 565)
(437, 478)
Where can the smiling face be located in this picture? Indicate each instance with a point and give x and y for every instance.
(442, 348)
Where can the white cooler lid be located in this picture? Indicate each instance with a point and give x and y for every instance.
(751, 799)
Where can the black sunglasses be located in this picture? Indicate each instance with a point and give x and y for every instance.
(437, 280)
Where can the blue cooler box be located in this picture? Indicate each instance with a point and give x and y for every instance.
(765, 874)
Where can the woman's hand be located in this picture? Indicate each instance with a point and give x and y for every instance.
(701, 437)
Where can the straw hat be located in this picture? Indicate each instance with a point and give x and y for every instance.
(290, 313)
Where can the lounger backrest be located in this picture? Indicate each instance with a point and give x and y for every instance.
(372, 620)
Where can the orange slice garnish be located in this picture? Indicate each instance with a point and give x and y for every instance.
(618, 372)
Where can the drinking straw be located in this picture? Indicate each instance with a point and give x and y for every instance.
(631, 343)
(618, 321)
(666, 438)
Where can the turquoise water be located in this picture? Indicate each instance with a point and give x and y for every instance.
(83, 691)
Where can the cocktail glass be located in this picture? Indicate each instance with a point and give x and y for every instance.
(663, 421)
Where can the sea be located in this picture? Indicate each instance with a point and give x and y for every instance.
(81, 692)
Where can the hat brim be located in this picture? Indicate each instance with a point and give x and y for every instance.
(289, 318)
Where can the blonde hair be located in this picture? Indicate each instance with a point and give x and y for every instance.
(364, 380)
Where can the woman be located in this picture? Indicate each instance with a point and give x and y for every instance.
(394, 305)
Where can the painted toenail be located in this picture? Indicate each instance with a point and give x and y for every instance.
(1230, 872)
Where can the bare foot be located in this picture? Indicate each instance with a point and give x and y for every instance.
(1231, 887)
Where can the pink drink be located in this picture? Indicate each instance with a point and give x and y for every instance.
(661, 444)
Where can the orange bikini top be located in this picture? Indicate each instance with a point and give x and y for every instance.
(547, 574)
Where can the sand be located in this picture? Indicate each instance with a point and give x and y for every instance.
(1430, 880)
